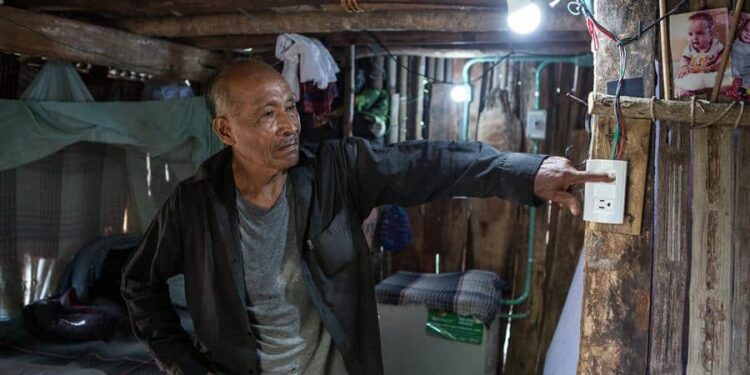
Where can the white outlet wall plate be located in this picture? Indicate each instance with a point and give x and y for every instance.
(536, 124)
(605, 202)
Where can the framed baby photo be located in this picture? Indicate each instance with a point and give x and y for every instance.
(740, 55)
(697, 42)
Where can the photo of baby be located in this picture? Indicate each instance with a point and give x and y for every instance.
(740, 54)
(698, 40)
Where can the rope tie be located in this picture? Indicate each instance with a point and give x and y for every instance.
(351, 6)
(723, 113)
(653, 114)
(692, 111)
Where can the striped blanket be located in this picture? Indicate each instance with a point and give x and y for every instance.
(474, 292)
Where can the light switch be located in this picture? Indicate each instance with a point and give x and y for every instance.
(604, 202)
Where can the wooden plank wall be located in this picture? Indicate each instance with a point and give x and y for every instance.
(701, 272)
(491, 234)
(617, 275)
(559, 236)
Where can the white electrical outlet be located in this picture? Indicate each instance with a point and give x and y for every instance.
(605, 202)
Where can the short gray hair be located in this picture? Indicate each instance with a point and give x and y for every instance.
(216, 96)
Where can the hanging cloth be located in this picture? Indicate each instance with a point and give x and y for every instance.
(57, 81)
(305, 60)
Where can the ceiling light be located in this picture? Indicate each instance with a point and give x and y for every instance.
(461, 93)
(524, 16)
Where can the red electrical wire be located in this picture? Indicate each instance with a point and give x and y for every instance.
(592, 32)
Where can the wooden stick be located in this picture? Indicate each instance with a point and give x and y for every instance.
(727, 49)
(666, 57)
(721, 114)
(349, 91)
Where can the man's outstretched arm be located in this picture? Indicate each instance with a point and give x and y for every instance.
(416, 172)
(146, 294)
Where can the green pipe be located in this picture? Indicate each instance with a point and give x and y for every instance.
(529, 252)
(580, 60)
(515, 316)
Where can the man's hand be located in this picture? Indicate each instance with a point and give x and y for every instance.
(555, 180)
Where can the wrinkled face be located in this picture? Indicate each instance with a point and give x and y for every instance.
(700, 35)
(745, 33)
(261, 124)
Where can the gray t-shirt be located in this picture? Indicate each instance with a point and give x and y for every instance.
(290, 334)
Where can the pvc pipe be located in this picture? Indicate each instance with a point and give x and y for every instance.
(580, 60)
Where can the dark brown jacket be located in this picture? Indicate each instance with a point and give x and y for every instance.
(335, 186)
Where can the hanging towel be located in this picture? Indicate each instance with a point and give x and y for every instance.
(305, 60)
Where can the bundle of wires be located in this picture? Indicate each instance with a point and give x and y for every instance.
(579, 7)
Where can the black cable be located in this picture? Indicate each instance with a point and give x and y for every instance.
(395, 58)
(632, 38)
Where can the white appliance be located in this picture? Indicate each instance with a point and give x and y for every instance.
(409, 350)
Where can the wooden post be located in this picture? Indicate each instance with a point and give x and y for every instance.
(711, 262)
(671, 263)
(418, 81)
(394, 102)
(617, 283)
(377, 71)
(440, 69)
(666, 56)
(431, 67)
(727, 49)
(403, 82)
(349, 91)
(740, 351)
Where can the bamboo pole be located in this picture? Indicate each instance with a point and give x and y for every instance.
(378, 71)
(728, 49)
(403, 83)
(349, 91)
(394, 101)
(440, 69)
(703, 113)
(666, 56)
(419, 80)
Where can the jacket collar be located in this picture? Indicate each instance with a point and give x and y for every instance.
(214, 169)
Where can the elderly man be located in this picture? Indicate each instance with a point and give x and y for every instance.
(268, 234)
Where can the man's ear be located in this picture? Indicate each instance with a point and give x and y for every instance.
(223, 130)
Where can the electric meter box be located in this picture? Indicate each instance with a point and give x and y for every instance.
(536, 124)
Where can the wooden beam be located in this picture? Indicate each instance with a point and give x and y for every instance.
(390, 38)
(464, 53)
(43, 35)
(458, 38)
(617, 281)
(720, 114)
(325, 22)
(169, 7)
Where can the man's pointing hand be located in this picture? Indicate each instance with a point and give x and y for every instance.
(556, 178)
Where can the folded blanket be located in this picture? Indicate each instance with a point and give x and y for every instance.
(474, 292)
